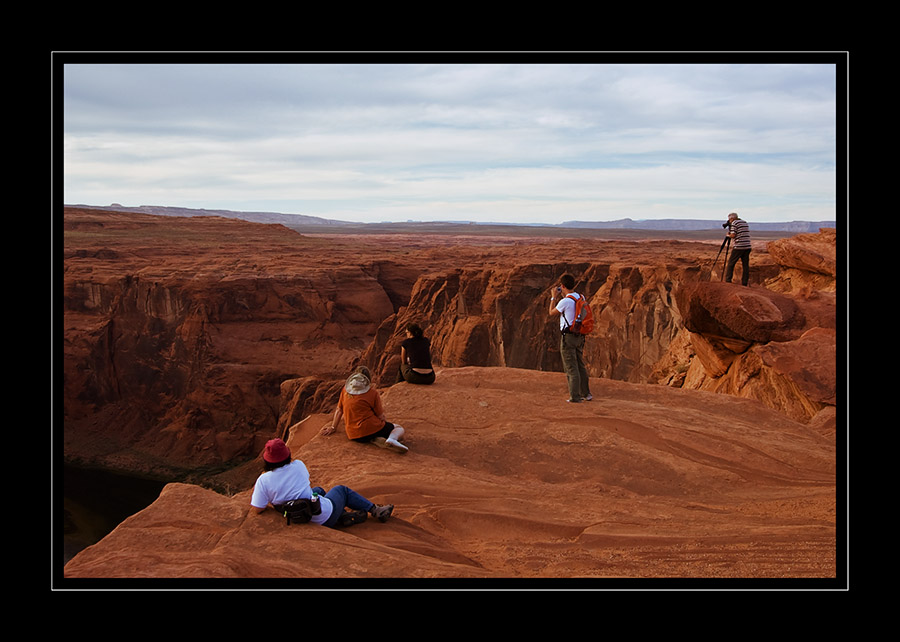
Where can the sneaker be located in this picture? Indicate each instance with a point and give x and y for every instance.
(573, 400)
(352, 517)
(393, 444)
(390, 444)
(589, 398)
(382, 512)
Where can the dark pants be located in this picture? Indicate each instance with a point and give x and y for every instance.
(571, 346)
(744, 257)
(385, 432)
(409, 375)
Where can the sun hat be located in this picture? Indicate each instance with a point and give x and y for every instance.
(276, 451)
(357, 384)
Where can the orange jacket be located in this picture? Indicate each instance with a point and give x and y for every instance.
(361, 413)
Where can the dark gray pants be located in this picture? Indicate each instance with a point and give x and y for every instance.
(571, 347)
(744, 257)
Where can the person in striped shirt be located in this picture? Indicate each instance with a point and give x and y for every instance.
(740, 251)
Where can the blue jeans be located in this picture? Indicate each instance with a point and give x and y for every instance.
(341, 497)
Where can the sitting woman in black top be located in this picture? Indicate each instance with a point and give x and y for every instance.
(415, 357)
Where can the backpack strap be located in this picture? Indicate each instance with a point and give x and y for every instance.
(569, 296)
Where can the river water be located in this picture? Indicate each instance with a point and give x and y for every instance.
(95, 502)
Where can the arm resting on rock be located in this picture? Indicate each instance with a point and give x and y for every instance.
(338, 415)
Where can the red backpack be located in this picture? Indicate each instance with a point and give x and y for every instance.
(584, 318)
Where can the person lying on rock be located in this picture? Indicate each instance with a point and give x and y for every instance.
(361, 409)
(415, 358)
(286, 479)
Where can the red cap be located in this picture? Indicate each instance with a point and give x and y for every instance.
(276, 451)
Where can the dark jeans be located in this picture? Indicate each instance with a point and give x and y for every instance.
(571, 346)
(744, 257)
(342, 497)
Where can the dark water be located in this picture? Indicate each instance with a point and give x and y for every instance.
(95, 502)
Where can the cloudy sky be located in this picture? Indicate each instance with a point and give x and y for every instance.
(423, 140)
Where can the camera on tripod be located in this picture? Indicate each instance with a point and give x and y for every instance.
(726, 224)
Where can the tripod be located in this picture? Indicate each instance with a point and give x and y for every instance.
(726, 245)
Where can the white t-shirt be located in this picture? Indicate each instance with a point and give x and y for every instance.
(566, 307)
(287, 483)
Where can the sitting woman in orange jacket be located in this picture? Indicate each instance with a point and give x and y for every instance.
(361, 410)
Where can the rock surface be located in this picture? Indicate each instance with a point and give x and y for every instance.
(809, 257)
(506, 480)
(178, 333)
(188, 343)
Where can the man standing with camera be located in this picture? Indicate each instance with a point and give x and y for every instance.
(571, 345)
(739, 233)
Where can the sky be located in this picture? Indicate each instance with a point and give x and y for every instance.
(509, 141)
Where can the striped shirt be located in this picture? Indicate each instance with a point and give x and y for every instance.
(741, 232)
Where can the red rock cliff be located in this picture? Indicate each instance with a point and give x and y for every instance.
(660, 317)
(189, 341)
(178, 333)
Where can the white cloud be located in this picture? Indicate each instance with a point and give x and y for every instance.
(537, 143)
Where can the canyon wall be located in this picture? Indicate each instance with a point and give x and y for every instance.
(189, 342)
(660, 317)
(178, 334)
(500, 317)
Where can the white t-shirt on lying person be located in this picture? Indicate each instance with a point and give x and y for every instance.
(284, 484)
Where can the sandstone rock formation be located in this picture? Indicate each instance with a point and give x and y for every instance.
(808, 261)
(757, 343)
(180, 333)
(189, 342)
(659, 318)
(505, 481)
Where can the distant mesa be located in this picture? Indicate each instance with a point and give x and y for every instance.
(797, 227)
(681, 225)
(254, 217)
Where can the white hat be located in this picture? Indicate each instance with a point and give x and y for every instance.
(357, 384)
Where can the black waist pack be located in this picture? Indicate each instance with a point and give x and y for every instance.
(300, 511)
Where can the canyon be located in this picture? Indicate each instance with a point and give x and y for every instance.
(710, 450)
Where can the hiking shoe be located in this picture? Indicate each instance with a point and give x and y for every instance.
(573, 400)
(589, 398)
(349, 518)
(382, 512)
